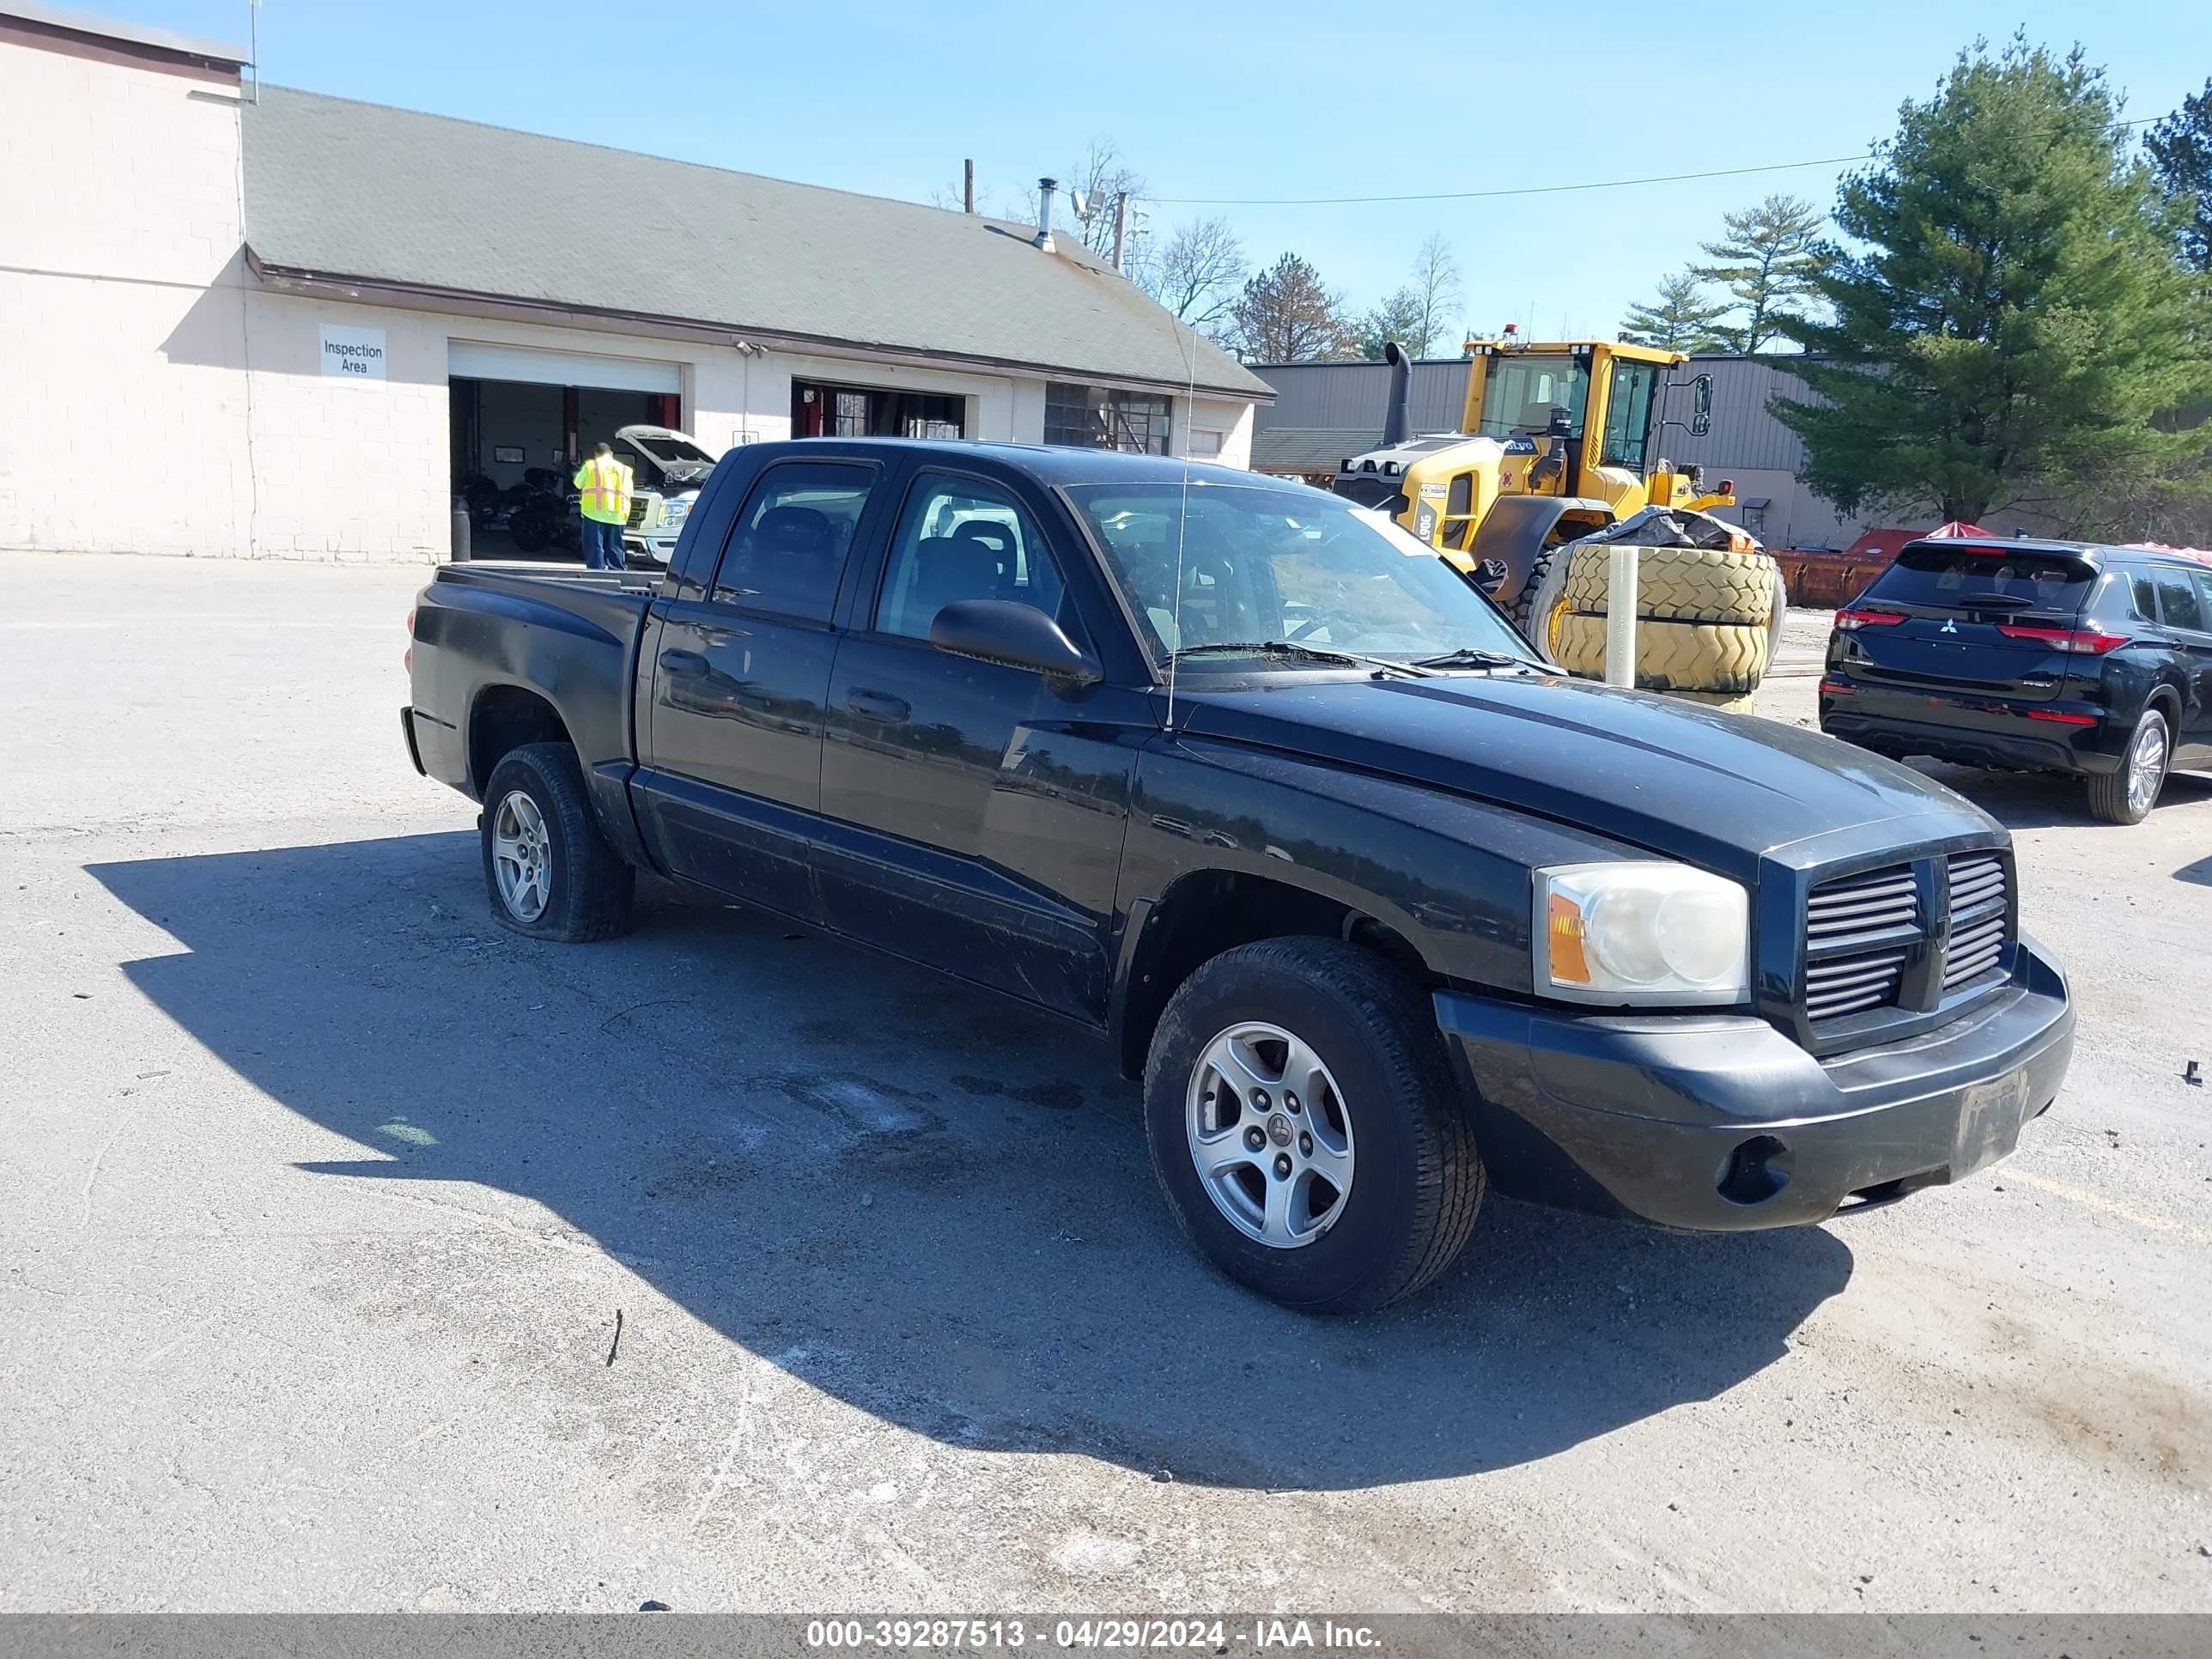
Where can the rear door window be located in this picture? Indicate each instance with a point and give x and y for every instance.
(793, 536)
(2144, 597)
(2177, 600)
(1958, 579)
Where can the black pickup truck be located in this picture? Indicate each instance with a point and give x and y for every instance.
(1382, 907)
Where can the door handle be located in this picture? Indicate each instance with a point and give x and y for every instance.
(687, 665)
(877, 706)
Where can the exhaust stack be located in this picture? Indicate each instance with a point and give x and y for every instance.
(1045, 188)
(1397, 419)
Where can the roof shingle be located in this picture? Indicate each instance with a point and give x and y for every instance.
(347, 189)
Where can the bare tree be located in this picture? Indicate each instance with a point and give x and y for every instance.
(1436, 294)
(1095, 182)
(1197, 274)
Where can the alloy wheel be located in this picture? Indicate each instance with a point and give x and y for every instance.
(2146, 764)
(521, 856)
(1270, 1134)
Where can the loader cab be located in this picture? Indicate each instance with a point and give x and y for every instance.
(1578, 416)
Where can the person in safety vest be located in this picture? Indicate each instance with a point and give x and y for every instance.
(606, 482)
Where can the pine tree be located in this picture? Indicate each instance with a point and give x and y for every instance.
(1681, 318)
(1765, 261)
(1398, 318)
(2180, 149)
(1286, 314)
(2014, 319)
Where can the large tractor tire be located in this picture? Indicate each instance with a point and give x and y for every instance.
(1538, 606)
(1671, 656)
(1681, 584)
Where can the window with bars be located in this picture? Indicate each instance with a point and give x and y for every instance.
(1099, 417)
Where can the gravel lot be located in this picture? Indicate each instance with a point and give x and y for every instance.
(319, 1196)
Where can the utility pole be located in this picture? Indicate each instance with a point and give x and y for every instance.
(967, 182)
(1120, 226)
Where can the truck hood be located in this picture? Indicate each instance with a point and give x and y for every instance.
(1721, 791)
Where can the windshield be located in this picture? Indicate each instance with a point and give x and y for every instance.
(1293, 567)
(1520, 391)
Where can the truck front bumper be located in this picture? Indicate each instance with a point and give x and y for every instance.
(1723, 1124)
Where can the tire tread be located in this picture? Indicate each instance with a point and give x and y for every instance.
(1449, 1178)
(597, 886)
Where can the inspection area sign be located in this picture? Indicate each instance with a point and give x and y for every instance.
(353, 354)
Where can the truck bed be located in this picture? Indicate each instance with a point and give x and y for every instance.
(539, 652)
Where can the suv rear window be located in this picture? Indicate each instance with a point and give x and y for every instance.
(1954, 577)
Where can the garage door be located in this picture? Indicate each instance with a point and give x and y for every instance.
(474, 360)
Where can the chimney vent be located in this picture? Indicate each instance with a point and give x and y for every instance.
(1045, 188)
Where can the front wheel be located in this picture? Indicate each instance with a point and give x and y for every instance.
(547, 866)
(2127, 795)
(1304, 1126)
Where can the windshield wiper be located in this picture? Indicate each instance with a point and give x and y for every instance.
(1291, 651)
(1469, 656)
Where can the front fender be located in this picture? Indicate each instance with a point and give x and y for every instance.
(1448, 875)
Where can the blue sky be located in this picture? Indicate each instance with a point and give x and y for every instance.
(1235, 100)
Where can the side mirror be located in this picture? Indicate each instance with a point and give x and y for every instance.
(1014, 634)
(1701, 406)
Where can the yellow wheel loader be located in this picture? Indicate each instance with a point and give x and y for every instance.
(1557, 441)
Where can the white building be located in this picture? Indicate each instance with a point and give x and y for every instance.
(246, 321)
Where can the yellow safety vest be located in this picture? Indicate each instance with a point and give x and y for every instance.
(606, 482)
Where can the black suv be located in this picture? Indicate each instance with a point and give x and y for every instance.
(2036, 656)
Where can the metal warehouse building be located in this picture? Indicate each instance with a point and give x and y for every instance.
(252, 321)
(1324, 411)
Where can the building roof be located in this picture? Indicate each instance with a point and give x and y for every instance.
(68, 20)
(1308, 449)
(346, 190)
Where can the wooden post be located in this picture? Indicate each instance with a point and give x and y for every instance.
(968, 183)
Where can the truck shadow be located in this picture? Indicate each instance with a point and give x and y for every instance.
(917, 1198)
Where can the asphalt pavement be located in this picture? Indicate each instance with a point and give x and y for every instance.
(358, 1254)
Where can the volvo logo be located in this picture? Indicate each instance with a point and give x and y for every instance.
(1950, 625)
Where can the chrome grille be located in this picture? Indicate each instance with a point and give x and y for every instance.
(1977, 918)
(1859, 933)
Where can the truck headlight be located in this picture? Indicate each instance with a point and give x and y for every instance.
(1647, 933)
(674, 512)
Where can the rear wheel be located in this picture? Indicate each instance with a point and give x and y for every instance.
(548, 867)
(1304, 1126)
(2126, 796)
(528, 528)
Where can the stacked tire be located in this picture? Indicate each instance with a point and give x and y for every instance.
(1707, 619)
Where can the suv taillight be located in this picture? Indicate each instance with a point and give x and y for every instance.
(1851, 621)
(2080, 641)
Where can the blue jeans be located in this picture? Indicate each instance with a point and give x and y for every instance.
(603, 548)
